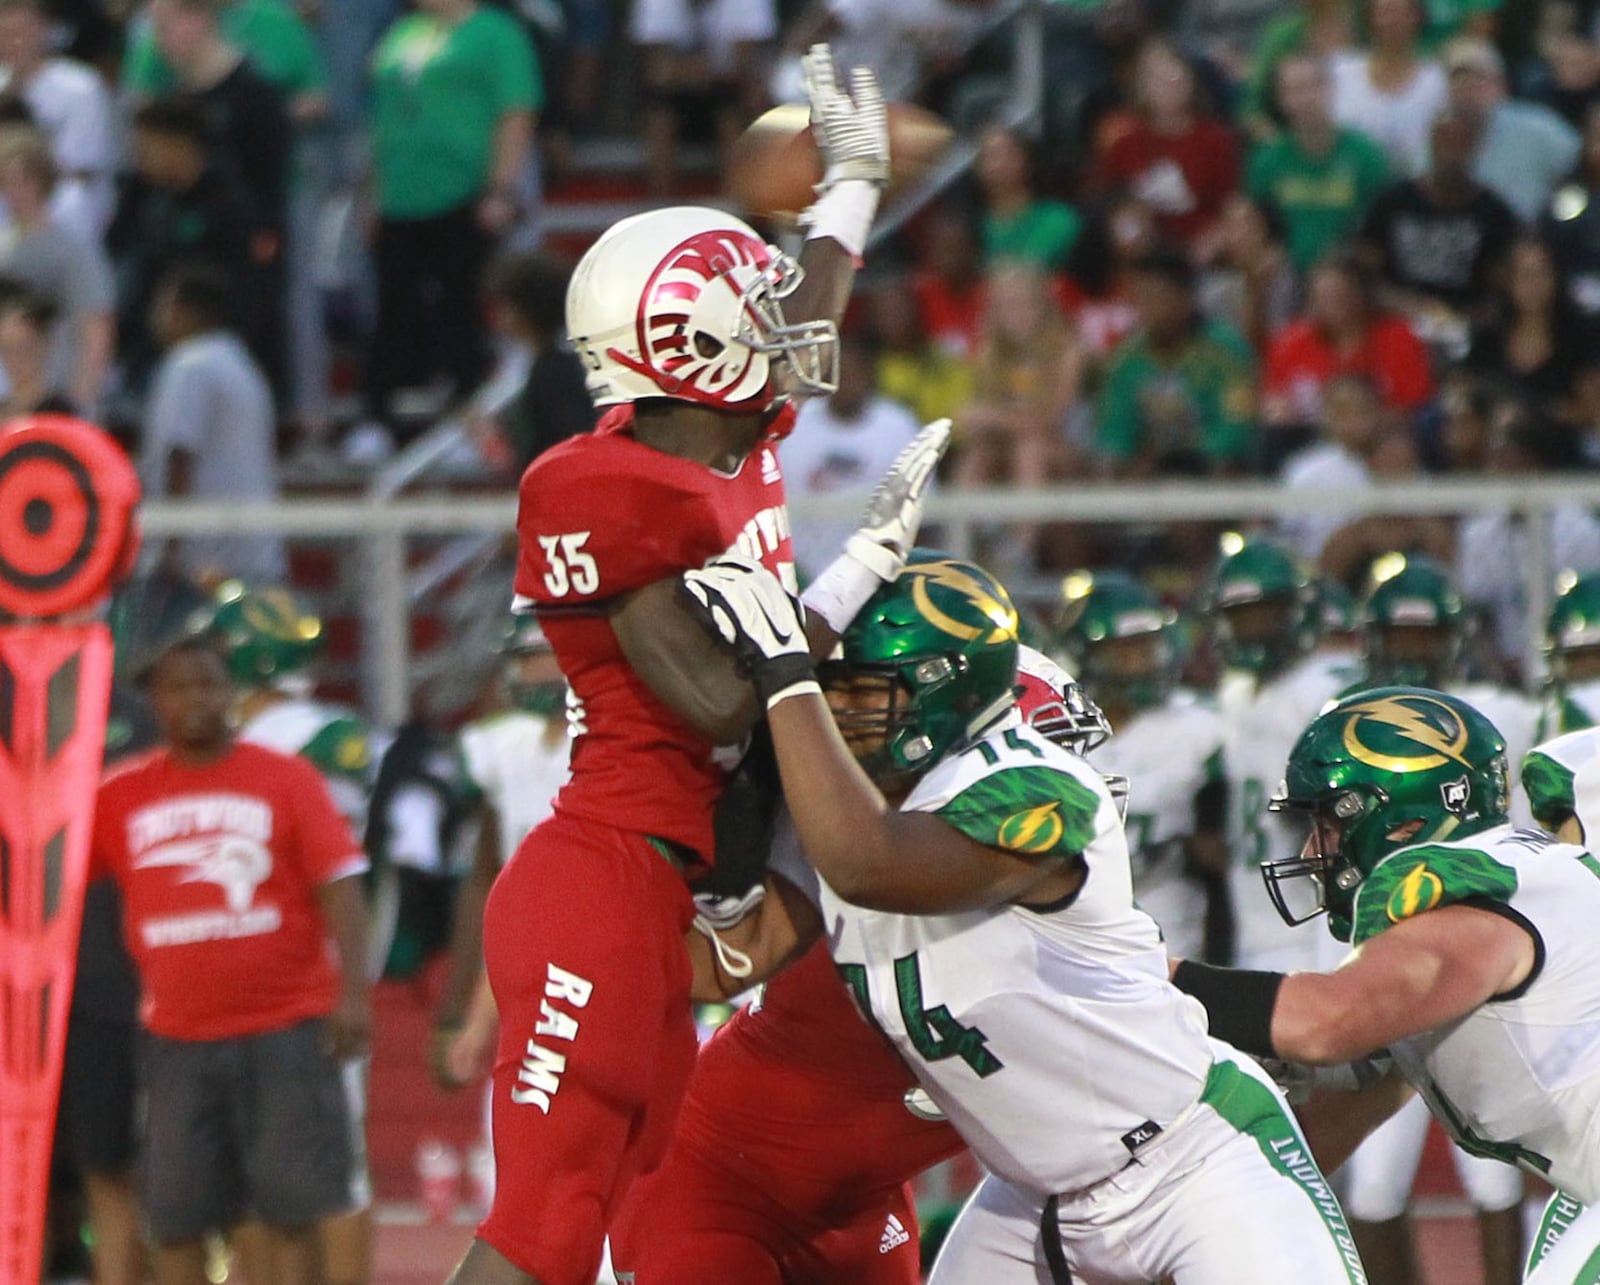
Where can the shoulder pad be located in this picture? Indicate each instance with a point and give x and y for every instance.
(1036, 810)
(342, 748)
(1415, 880)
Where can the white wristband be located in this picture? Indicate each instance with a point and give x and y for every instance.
(843, 211)
(841, 591)
(805, 687)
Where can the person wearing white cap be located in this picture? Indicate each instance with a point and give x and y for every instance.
(1524, 148)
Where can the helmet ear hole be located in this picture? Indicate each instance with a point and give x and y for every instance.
(708, 346)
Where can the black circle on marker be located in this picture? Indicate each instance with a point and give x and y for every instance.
(37, 514)
(54, 453)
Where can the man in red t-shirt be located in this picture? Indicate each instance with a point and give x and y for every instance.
(235, 869)
(695, 333)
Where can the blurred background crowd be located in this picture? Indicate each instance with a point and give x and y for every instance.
(1327, 241)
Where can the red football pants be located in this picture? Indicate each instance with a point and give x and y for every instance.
(583, 942)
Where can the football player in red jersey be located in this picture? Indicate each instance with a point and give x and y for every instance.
(794, 1151)
(696, 333)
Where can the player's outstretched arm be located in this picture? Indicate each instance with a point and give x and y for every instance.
(870, 854)
(687, 671)
(882, 859)
(851, 126)
(1418, 975)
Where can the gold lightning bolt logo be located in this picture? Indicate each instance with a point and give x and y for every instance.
(1420, 890)
(1035, 830)
(1421, 721)
(1000, 615)
(272, 614)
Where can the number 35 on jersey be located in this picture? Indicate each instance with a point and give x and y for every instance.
(571, 569)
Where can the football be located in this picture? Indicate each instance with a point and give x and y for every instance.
(774, 165)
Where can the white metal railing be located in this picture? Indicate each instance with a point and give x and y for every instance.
(382, 527)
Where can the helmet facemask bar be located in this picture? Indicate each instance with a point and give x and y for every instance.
(1331, 878)
(809, 348)
(889, 724)
(1074, 722)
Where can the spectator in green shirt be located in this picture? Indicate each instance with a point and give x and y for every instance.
(1179, 393)
(270, 33)
(1319, 176)
(1317, 27)
(1018, 224)
(455, 86)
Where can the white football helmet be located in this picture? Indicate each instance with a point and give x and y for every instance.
(685, 302)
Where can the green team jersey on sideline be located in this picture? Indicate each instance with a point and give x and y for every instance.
(335, 741)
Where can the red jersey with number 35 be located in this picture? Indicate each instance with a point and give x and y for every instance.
(602, 515)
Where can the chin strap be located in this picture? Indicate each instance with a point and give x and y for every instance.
(730, 959)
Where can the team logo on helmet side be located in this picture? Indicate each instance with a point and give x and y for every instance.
(1388, 733)
(1002, 616)
(1035, 830)
(1418, 891)
(272, 614)
(719, 259)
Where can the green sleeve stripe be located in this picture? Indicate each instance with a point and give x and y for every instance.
(1255, 1111)
(1040, 811)
(1423, 878)
(342, 749)
(1551, 789)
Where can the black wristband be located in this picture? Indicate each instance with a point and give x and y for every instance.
(772, 676)
(1238, 1003)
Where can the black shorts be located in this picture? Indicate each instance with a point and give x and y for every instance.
(255, 1126)
(98, 1092)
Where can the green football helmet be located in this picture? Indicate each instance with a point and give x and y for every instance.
(1253, 573)
(263, 632)
(1120, 640)
(1336, 606)
(943, 638)
(520, 638)
(1382, 770)
(1413, 624)
(1574, 624)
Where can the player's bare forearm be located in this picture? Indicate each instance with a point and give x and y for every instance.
(875, 856)
(780, 929)
(1414, 977)
(1336, 1123)
(824, 293)
(697, 679)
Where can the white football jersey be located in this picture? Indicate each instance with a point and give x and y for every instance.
(1569, 708)
(1050, 1037)
(1261, 723)
(333, 739)
(1518, 1079)
(1168, 753)
(511, 760)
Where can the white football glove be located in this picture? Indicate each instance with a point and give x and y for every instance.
(744, 605)
(888, 528)
(851, 127)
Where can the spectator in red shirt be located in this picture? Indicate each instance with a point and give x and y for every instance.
(1178, 161)
(1342, 332)
(235, 870)
(949, 284)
